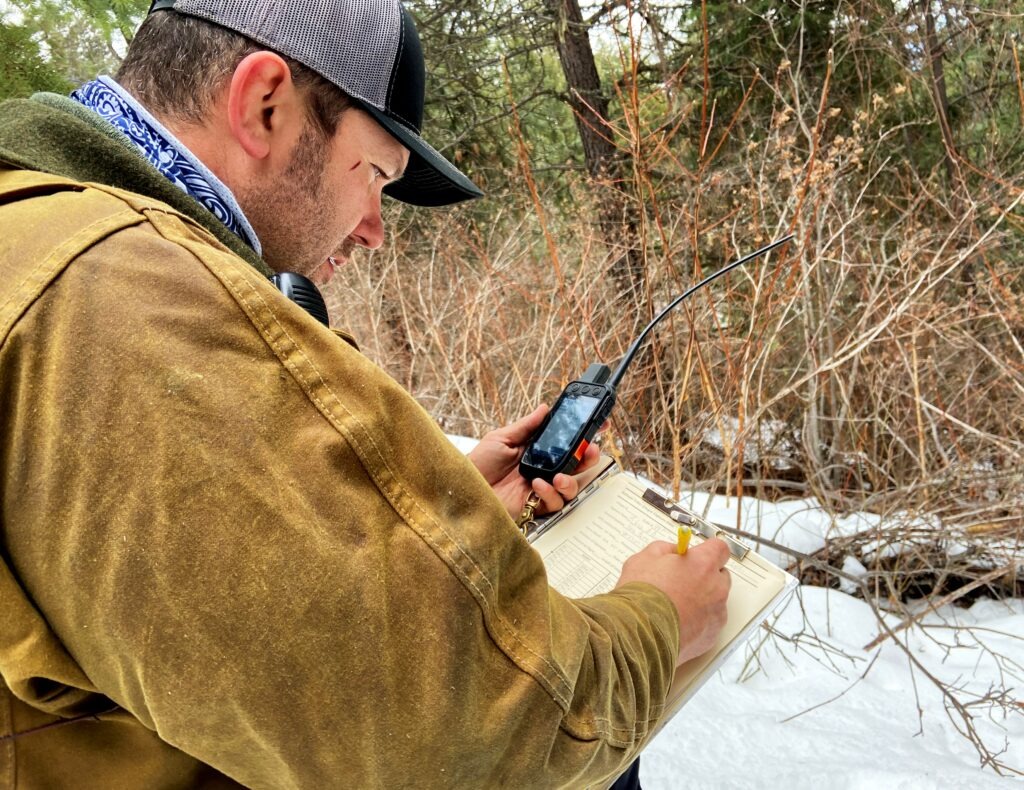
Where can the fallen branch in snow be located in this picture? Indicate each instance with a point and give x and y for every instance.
(956, 709)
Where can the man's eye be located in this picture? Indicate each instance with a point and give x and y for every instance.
(377, 172)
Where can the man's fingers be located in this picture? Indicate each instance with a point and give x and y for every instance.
(566, 486)
(590, 457)
(550, 499)
(716, 549)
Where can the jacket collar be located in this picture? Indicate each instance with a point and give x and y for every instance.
(105, 97)
(53, 134)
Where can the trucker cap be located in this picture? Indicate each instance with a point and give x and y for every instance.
(369, 49)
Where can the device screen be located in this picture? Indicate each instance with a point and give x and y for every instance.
(570, 415)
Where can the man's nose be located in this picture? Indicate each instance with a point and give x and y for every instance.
(370, 231)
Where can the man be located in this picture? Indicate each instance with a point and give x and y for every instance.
(233, 550)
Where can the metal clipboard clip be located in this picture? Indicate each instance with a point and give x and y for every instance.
(688, 518)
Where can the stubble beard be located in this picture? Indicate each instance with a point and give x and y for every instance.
(288, 213)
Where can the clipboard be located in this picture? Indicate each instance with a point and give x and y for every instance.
(616, 515)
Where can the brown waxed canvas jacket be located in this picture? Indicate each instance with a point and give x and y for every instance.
(233, 550)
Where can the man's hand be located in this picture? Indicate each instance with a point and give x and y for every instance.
(697, 583)
(497, 457)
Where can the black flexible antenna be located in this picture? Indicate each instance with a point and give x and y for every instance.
(621, 370)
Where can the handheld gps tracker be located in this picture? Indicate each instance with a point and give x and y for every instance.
(580, 411)
(563, 438)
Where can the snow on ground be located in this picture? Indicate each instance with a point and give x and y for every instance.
(814, 709)
(810, 707)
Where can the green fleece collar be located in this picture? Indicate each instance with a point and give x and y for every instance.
(53, 134)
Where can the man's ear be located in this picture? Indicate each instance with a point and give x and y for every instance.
(263, 103)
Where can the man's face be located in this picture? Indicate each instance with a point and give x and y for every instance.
(326, 201)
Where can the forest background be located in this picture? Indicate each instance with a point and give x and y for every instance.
(875, 363)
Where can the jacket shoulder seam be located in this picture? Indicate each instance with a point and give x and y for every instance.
(560, 692)
(590, 729)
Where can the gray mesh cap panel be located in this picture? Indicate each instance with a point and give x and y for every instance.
(332, 37)
(368, 48)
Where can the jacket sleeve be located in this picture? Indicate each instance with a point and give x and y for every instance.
(255, 542)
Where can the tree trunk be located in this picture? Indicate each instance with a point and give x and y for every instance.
(957, 184)
(616, 216)
(939, 97)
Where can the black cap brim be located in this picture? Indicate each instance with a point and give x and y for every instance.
(429, 179)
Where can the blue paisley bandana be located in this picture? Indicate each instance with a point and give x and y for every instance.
(166, 153)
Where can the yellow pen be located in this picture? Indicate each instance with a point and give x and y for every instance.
(683, 539)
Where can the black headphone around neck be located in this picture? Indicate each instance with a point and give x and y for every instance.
(304, 293)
